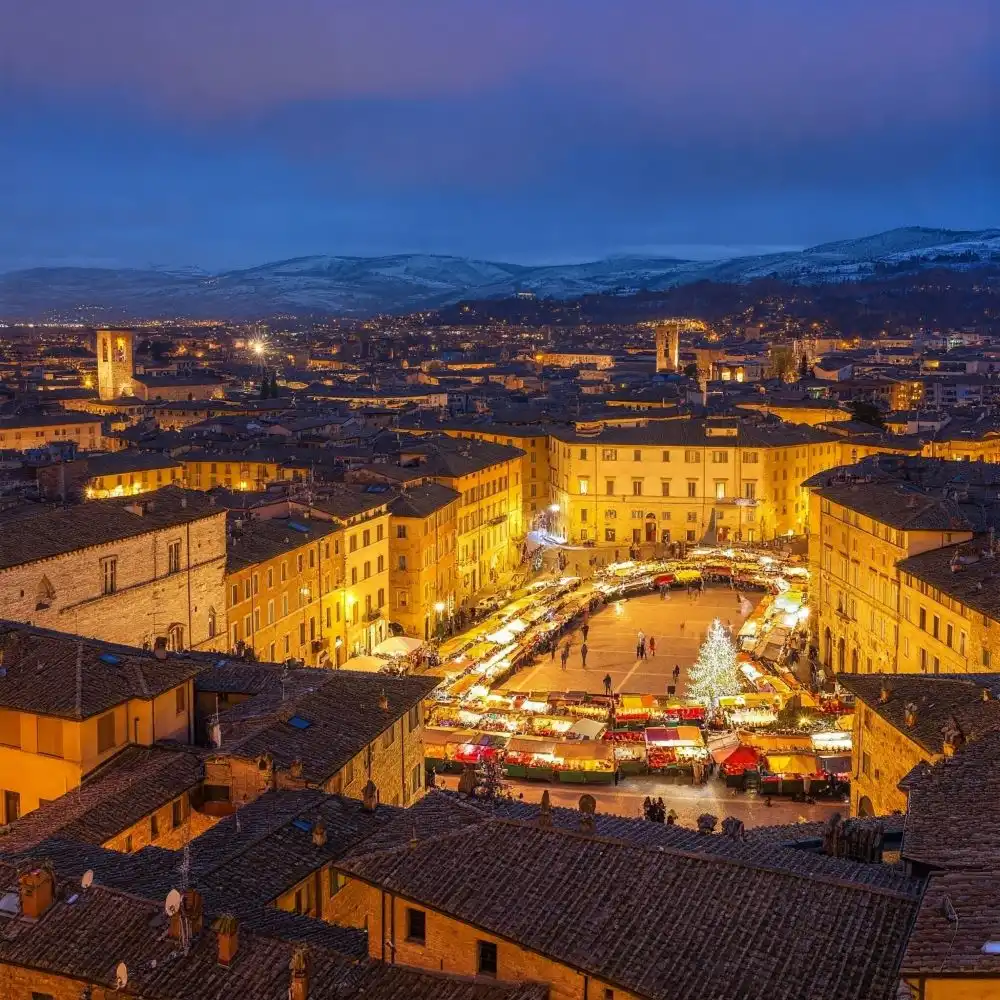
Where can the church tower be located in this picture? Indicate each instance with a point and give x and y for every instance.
(668, 346)
(114, 363)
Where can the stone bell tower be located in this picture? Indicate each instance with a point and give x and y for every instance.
(114, 363)
(668, 346)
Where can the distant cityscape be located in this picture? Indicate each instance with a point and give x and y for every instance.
(313, 627)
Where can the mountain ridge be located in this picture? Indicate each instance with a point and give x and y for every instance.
(357, 286)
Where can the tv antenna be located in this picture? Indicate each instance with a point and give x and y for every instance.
(172, 904)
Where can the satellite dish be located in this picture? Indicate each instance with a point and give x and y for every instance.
(173, 902)
(121, 976)
(88, 879)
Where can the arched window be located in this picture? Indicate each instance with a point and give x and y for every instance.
(175, 637)
(45, 594)
(213, 623)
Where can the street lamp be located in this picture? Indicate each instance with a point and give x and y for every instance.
(439, 607)
(554, 508)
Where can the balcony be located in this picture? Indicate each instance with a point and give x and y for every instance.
(373, 615)
(499, 519)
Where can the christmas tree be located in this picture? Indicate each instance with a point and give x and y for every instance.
(715, 673)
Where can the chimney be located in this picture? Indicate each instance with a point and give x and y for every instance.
(228, 936)
(910, 714)
(706, 823)
(545, 810)
(190, 911)
(38, 890)
(369, 796)
(319, 833)
(885, 693)
(383, 701)
(985, 696)
(298, 987)
(588, 809)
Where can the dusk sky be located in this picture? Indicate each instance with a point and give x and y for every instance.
(224, 133)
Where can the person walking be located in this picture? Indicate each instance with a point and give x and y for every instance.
(677, 673)
(554, 645)
(565, 655)
(638, 651)
(652, 647)
(682, 628)
(642, 649)
(608, 688)
(583, 655)
(585, 630)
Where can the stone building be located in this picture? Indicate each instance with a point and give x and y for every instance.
(115, 364)
(22, 433)
(134, 572)
(902, 722)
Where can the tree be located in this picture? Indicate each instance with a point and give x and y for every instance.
(274, 385)
(715, 673)
(867, 413)
(265, 390)
(691, 370)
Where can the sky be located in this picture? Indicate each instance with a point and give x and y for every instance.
(225, 133)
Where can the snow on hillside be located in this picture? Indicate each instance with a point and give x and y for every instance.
(404, 282)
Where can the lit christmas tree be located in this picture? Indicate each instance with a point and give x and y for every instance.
(715, 673)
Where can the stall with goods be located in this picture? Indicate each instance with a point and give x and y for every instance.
(585, 762)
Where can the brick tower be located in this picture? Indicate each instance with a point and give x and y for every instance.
(114, 363)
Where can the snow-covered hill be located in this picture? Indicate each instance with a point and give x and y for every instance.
(406, 282)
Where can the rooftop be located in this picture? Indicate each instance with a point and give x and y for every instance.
(706, 927)
(938, 699)
(68, 676)
(259, 539)
(46, 532)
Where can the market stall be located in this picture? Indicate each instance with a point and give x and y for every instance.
(585, 762)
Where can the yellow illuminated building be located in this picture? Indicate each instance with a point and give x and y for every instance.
(423, 540)
(684, 480)
(250, 471)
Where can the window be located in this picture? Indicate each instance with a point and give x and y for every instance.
(176, 813)
(109, 575)
(416, 926)
(10, 728)
(486, 958)
(609, 487)
(987, 658)
(174, 557)
(413, 718)
(935, 626)
(401, 531)
(750, 457)
(352, 543)
(922, 619)
(961, 643)
(692, 488)
(949, 635)
(366, 537)
(234, 597)
(105, 732)
(637, 487)
(720, 457)
(584, 487)
(609, 454)
(583, 454)
(270, 578)
(381, 597)
(380, 533)
(11, 806)
(720, 489)
(666, 456)
(180, 699)
(691, 457)
(866, 764)
(337, 882)
(154, 827)
(750, 491)
(389, 737)
(367, 568)
(609, 534)
(380, 564)
(402, 562)
(50, 736)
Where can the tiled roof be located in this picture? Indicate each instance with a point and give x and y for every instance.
(657, 922)
(965, 572)
(343, 717)
(937, 698)
(699, 433)
(940, 946)
(953, 809)
(54, 673)
(423, 500)
(87, 939)
(123, 791)
(261, 539)
(120, 462)
(53, 531)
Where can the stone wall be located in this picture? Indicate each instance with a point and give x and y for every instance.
(65, 592)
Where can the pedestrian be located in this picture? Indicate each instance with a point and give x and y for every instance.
(646, 807)
(642, 649)
(583, 655)
(677, 673)
(663, 591)
(565, 655)
(652, 647)
(554, 644)
(638, 650)
(682, 628)
(585, 630)
(608, 685)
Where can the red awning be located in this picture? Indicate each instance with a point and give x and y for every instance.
(739, 756)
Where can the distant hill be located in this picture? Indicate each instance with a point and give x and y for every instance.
(359, 286)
